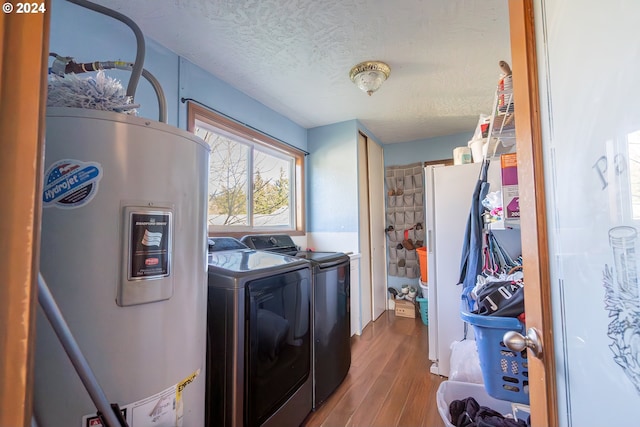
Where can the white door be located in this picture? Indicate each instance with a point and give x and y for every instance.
(364, 238)
(376, 229)
(589, 59)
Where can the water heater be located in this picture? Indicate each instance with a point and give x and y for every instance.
(123, 252)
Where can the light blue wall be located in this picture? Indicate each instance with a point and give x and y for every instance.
(213, 92)
(90, 36)
(333, 178)
(438, 148)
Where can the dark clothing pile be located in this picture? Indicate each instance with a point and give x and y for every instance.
(468, 413)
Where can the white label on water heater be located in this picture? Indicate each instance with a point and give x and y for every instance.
(147, 248)
(164, 409)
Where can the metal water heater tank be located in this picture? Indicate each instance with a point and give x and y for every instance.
(124, 254)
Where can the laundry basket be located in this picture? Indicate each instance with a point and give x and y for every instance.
(505, 372)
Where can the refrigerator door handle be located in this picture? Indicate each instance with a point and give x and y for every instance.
(429, 245)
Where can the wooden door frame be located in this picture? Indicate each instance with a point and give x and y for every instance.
(24, 40)
(533, 222)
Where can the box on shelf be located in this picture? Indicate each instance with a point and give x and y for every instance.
(510, 197)
(405, 308)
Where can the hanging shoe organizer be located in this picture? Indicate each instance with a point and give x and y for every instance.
(405, 218)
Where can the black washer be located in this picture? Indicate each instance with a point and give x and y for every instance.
(331, 308)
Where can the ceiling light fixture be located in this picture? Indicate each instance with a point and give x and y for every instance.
(370, 75)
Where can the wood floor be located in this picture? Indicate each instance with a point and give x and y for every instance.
(389, 383)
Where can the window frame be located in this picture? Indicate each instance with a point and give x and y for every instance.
(197, 113)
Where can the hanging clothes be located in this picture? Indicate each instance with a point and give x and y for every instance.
(498, 259)
(471, 260)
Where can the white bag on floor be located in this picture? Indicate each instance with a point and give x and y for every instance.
(465, 363)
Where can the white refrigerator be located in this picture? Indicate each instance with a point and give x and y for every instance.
(448, 200)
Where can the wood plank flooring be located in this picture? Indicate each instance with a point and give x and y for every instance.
(389, 383)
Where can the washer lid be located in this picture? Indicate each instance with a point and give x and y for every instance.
(324, 259)
(244, 260)
(280, 243)
(224, 244)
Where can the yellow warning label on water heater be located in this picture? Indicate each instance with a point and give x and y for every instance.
(182, 384)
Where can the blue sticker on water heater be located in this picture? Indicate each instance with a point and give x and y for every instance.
(70, 184)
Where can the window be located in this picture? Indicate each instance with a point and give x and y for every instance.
(255, 181)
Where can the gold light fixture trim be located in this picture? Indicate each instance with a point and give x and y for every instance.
(369, 75)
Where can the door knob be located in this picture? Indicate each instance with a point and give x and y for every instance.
(516, 342)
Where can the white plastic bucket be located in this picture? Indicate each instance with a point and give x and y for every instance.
(461, 155)
(475, 145)
(448, 391)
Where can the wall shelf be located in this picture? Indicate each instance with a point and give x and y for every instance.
(501, 135)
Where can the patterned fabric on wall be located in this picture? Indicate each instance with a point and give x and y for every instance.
(405, 218)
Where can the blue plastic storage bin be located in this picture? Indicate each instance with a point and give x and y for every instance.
(424, 310)
(505, 372)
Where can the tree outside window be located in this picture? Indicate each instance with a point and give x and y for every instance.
(252, 186)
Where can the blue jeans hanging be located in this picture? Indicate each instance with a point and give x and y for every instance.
(471, 260)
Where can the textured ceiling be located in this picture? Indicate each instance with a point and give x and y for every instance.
(294, 56)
